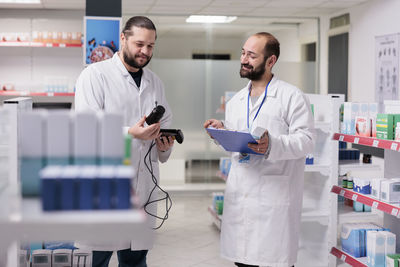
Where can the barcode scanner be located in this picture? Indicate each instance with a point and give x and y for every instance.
(175, 133)
(155, 115)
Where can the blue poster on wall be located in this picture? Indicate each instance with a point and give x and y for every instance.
(101, 38)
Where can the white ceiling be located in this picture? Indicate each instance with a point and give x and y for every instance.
(170, 15)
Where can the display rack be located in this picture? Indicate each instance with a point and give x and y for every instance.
(222, 176)
(356, 262)
(391, 212)
(29, 222)
(392, 209)
(368, 141)
(37, 44)
(27, 93)
(216, 219)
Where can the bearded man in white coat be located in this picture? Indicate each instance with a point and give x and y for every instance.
(263, 195)
(122, 84)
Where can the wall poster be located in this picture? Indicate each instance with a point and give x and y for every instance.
(386, 68)
(101, 38)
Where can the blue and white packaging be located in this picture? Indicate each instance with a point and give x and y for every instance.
(86, 186)
(390, 242)
(105, 177)
(375, 249)
(362, 185)
(31, 150)
(58, 138)
(351, 110)
(353, 237)
(68, 185)
(49, 184)
(111, 139)
(85, 133)
(123, 177)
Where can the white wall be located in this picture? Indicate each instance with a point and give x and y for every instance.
(182, 47)
(373, 18)
(367, 21)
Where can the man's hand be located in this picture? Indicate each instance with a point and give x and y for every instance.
(144, 133)
(213, 123)
(262, 144)
(164, 143)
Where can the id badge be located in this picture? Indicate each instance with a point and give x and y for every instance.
(244, 158)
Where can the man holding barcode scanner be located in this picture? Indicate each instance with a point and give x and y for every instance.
(263, 195)
(122, 84)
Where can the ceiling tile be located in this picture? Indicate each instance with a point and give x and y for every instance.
(294, 3)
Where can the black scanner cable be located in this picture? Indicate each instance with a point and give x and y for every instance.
(167, 198)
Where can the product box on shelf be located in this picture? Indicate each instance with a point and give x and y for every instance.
(373, 112)
(362, 121)
(392, 260)
(390, 190)
(350, 112)
(384, 126)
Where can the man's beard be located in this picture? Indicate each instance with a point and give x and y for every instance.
(132, 61)
(252, 74)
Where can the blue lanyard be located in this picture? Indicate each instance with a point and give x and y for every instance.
(262, 103)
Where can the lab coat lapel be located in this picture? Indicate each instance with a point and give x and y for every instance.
(272, 87)
(117, 61)
(145, 80)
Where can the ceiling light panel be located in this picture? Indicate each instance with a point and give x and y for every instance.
(210, 19)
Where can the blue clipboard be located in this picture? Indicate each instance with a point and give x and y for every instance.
(233, 141)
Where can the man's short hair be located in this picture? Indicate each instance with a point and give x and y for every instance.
(271, 45)
(138, 21)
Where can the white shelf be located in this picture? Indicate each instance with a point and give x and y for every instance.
(355, 165)
(347, 215)
(324, 169)
(315, 216)
(31, 223)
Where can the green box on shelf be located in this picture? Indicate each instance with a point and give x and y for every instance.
(392, 260)
(384, 126)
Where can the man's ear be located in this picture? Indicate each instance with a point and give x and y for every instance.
(271, 61)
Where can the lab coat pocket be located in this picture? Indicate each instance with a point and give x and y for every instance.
(274, 190)
(275, 125)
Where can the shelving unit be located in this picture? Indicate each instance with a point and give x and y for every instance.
(27, 93)
(392, 209)
(318, 180)
(222, 176)
(22, 219)
(356, 262)
(29, 222)
(37, 44)
(391, 212)
(216, 219)
(41, 65)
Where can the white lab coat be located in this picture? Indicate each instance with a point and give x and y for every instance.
(263, 198)
(108, 86)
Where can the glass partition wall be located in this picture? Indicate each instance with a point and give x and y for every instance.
(199, 63)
